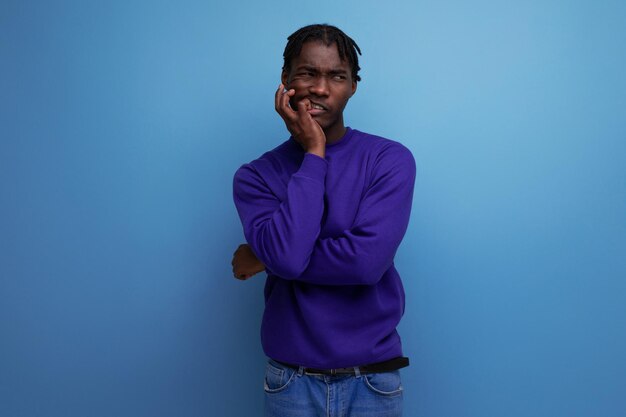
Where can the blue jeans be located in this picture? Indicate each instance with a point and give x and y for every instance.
(292, 393)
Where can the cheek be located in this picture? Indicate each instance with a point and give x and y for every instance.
(343, 100)
(298, 85)
(300, 89)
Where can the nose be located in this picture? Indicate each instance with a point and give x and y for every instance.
(319, 87)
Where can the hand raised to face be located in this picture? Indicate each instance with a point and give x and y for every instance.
(304, 129)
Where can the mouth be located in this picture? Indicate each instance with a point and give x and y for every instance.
(317, 106)
(317, 109)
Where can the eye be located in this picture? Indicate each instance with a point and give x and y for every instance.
(340, 77)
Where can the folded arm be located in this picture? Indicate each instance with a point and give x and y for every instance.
(282, 234)
(362, 254)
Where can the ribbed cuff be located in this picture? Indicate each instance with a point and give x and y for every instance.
(314, 167)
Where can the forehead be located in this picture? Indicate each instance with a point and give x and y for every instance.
(319, 55)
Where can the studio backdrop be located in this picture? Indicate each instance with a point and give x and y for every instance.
(123, 122)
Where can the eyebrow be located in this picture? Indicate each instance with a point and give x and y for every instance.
(335, 71)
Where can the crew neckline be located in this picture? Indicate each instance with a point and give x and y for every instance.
(344, 139)
(332, 147)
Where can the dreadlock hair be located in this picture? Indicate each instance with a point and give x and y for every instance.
(327, 34)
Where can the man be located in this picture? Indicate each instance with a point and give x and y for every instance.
(323, 214)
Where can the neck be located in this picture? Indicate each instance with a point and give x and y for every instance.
(335, 133)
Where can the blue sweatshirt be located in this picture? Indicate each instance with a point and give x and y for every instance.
(327, 230)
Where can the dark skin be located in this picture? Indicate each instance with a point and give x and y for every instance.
(310, 99)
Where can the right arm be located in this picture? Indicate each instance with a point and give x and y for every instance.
(282, 233)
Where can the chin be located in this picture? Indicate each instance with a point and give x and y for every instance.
(325, 123)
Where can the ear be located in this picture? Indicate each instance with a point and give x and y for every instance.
(353, 88)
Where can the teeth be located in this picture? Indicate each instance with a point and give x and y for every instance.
(317, 106)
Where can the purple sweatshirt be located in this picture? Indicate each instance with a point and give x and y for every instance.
(327, 230)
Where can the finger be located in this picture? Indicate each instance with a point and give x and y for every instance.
(303, 107)
(287, 95)
(284, 110)
(279, 98)
(278, 95)
(289, 112)
(238, 274)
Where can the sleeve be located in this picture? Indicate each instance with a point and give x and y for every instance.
(362, 254)
(282, 233)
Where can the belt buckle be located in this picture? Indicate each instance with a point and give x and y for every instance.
(321, 372)
(311, 373)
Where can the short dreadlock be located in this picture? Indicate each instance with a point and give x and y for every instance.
(327, 34)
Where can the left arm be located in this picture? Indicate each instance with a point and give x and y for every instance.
(363, 253)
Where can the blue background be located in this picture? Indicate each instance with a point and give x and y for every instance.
(122, 123)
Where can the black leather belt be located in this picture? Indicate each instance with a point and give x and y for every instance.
(386, 366)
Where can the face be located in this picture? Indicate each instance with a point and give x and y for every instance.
(318, 74)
